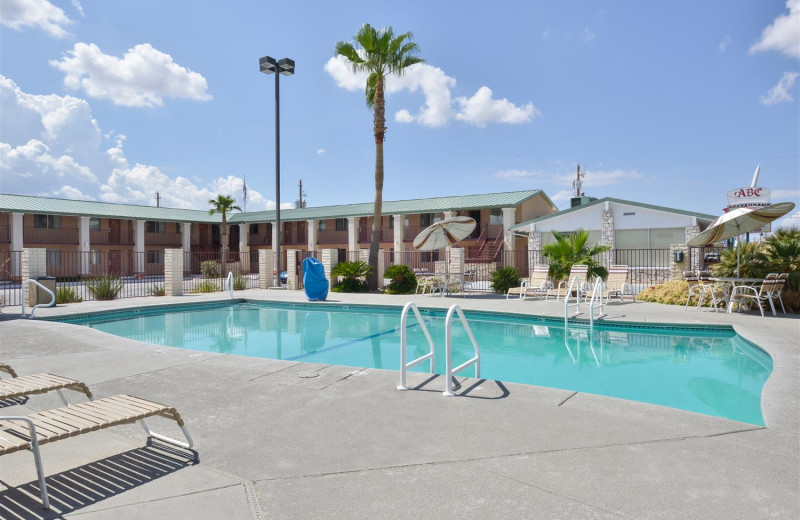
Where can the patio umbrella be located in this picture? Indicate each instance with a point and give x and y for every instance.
(443, 234)
(738, 221)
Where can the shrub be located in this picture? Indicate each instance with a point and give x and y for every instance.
(239, 282)
(207, 286)
(158, 290)
(403, 279)
(67, 295)
(353, 276)
(209, 269)
(671, 293)
(106, 287)
(505, 278)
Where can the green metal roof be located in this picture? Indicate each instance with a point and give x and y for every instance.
(397, 207)
(45, 205)
(703, 216)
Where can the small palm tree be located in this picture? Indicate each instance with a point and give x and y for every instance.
(223, 204)
(573, 249)
(379, 53)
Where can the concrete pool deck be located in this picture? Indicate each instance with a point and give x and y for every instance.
(282, 439)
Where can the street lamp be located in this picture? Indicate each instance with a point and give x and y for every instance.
(285, 66)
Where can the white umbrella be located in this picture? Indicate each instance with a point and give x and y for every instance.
(443, 234)
(738, 221)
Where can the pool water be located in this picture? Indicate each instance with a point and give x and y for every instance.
(711, 371)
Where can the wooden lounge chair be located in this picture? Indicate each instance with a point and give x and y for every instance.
(535, 285)
(615, 284)
(579, 270)
(760, 295)
(54, 425)
(40, 384)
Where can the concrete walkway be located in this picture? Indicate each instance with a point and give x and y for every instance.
(281, 439)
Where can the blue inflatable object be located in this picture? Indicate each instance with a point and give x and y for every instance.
(314, 281)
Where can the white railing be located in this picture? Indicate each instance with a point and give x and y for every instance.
(411, 306)
(229, 283)
(576, 282)
(594, 301)
(33, 309)
(448, 341)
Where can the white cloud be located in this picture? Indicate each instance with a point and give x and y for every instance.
(34, 157)
(785, 194)
(19, 14)
(783, 35)
(481, 109)
(780, 92)
(78, 7)
(588, 35)
(321, 151)
(141, 78)
(69, 192)
(436, 86)
(726, 40)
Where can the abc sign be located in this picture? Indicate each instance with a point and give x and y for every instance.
(749, 196)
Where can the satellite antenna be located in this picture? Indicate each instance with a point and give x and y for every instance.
(578, 182)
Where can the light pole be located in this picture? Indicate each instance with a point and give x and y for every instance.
(285, 66)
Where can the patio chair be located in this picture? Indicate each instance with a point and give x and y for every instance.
(20, 386)
(615, 284)
(777, 289)
(760, 295)
(429, 284)
(579, 270)
(536, 284)
(695, 287)
(31, 431)
(718, 293)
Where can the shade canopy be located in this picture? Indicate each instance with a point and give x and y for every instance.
(740, 220)
(444, 233)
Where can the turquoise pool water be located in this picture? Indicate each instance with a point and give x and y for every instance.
(707, 370)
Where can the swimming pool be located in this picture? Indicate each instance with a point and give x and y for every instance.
(708, 370)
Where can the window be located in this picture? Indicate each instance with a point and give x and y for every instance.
(53, 257)
(155, 257)
(426, 219)
(156, 227)
(391, 221)
(649, 238)
(47, 221)
(341, 224)
(253, 229)
(94, 224)
(94, 257)
(496, 217)
(322, 226)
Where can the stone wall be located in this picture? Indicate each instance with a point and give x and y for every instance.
(266, 266)
(173, 272)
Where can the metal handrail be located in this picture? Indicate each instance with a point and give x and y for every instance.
(229, 283)
(411, 306)
(577, 304)
(33, 309)
(448, 341)
(593, 303)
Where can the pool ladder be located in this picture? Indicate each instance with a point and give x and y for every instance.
(595, 301)
(48, 291)
(450, 371)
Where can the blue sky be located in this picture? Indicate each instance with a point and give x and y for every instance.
(665, 103)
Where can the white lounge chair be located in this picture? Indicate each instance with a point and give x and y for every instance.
(536, 284)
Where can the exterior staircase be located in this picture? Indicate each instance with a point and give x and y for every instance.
(486, 250)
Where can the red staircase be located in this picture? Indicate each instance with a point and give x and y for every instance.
(485, 250)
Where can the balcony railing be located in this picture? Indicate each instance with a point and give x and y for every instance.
(332, 237)
(34, 235)
(163, 239)
(105, 237)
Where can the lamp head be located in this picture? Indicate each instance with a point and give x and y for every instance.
(268, 65)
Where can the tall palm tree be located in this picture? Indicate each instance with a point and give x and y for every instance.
(379, 53)
(223, 204)
(573, 249)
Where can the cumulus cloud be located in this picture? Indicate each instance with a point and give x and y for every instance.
(783, 34)
(481, 109)
(19, 14)
(436, 86)
(321, 151)
(588, 35)
(780, 92)
(726, 41)
(141, 78)
(56, 141)
(78, 7)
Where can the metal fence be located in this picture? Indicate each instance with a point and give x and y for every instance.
(93, 275)
(10, 286)
(703, 258)
(206, 272)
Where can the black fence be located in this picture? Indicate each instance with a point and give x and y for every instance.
(10, 274)
(703, 258)
(207, 272)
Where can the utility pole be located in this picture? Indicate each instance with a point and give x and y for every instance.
(158, 200)
(301, 202)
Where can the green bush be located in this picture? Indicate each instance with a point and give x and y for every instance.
(403, 279)
(207, 286)
(106, 287)
(239, 282)
(209, 269)
(353, 276)
(158, 290)
(505, 278)
(67, 295)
